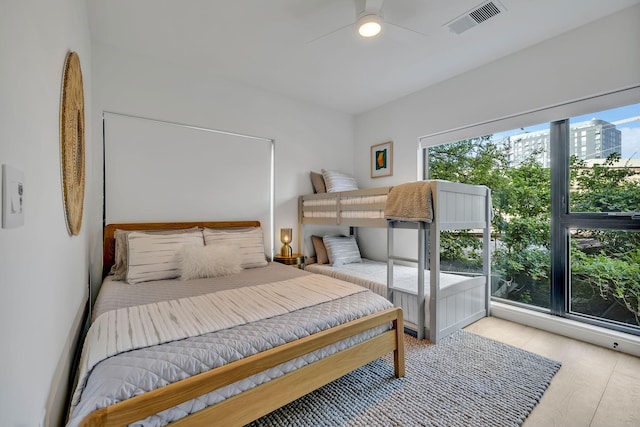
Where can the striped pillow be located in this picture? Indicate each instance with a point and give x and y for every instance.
(342, 250)
(249, 242)
(121, 263)
(338, 181)
(155, 256)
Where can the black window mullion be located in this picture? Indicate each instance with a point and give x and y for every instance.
(559, 147)
(600, 221)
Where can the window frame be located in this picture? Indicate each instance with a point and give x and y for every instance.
(562, 220)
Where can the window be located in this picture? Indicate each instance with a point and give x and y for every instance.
(605, 275)
(520, 185)
(566, 201)
(602, 280)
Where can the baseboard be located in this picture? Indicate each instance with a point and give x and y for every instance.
(614, 340)
(61, 387)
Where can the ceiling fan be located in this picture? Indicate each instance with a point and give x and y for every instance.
(369, 21)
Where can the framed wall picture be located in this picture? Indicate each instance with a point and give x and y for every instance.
(12, 197)
(382, 160)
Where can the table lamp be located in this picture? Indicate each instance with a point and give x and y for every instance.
(285, 238)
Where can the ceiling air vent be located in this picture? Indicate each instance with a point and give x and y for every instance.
(476, 16)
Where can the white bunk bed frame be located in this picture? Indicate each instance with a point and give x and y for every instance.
(456, 206)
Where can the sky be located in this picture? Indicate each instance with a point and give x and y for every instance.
(630, 131)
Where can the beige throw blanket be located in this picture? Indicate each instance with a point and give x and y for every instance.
(141, 326)
(410, 202)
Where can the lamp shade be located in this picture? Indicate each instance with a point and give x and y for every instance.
(285, 235)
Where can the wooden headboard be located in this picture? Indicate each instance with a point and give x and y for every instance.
(109, 245)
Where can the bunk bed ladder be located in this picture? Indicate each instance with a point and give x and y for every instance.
(423, 254)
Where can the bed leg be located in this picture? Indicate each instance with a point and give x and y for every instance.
(398, 354)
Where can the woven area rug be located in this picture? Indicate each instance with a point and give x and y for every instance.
(464, 380)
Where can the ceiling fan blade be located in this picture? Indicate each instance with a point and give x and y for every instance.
(329, 33)
(406, 29)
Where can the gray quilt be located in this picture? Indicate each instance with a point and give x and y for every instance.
(135, 372)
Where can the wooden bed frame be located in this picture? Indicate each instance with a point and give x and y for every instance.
(256, 402)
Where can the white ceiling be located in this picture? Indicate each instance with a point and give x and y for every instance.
(291, 46)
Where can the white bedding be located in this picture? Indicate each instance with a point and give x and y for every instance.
(130, 328)
(136, 371)
(373, 275)
(116, 294)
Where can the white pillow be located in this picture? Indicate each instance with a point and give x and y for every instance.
(337, 181)
(342, 250)
(208, 261)
(248, 241)
(155, 256)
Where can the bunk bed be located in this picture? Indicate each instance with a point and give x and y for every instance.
(199, 366)
(434, 303)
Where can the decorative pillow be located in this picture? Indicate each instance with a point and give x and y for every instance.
(119, 267)
(208, 261)
(155, 256)
(342, 250)
(318, 182)
(249, 242)
(338, 181)
(321, 251)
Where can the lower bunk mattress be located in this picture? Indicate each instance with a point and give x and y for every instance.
(137, 370)
(461, 299)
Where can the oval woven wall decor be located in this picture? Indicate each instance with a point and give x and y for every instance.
(72, 142)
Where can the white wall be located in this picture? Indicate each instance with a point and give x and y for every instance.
(43, 270)
(307, 137)
(594, 59)
(183, 172)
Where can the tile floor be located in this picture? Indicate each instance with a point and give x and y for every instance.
(595, 386)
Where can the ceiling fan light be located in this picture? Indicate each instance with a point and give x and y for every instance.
(369, 25)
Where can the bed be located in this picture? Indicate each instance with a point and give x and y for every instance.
(434, 303)
(352, 208)
(214, 360)
(373, 275)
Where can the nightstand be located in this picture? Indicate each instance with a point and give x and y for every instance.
(296, 260)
